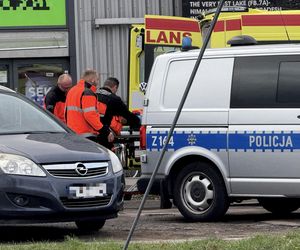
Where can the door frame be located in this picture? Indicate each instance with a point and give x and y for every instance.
(10, 72)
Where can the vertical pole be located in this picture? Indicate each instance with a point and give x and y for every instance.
(191, 79)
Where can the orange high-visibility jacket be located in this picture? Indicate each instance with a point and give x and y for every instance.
(116, 124)
(81, 110)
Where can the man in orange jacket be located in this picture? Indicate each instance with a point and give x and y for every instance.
(56, 97)
(81, 109)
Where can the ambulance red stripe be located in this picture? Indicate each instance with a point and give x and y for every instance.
(234, 24)
(258, 20)
(271, 20)
(219, 26)
(169, 24)
(231, 25)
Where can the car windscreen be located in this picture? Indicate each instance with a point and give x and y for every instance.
(17, 115)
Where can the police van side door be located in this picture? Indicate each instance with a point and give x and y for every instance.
(264, 126)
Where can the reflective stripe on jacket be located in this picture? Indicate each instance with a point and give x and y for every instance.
(81, 109)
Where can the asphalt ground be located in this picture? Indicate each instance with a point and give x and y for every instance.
(241, 221)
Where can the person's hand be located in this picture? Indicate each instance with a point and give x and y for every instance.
(123, 120)
(110, 137)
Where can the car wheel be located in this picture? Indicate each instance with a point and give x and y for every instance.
(90, 226)
(200, 194)
(280, 206)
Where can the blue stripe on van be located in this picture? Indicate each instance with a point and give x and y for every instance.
(218, 141)
(264, 141)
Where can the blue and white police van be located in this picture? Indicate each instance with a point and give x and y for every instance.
(238, 136)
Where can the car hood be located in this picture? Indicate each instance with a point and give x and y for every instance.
(46, 148)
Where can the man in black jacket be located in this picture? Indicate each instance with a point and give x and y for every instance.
(114, 106)
(55, 99)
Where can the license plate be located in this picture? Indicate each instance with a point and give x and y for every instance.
(89, 191)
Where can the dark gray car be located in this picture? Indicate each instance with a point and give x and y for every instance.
(49, 174)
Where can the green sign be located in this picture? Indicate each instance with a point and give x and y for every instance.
(32, 13)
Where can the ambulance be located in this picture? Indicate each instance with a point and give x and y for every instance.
(163, 34)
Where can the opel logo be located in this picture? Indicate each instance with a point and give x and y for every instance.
(81, 169)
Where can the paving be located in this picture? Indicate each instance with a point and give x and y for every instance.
(241, 221)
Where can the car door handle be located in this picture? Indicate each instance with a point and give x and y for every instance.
(298, 116)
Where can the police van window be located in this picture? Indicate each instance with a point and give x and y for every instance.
(206, 84)
(256, 82)
(289, 84)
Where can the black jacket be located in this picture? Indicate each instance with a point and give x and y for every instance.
(116, 107)
(55, 102)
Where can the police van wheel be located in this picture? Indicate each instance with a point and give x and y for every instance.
(200, 194)
(89, 225)
(280, 206)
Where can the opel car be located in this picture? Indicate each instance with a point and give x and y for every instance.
(50, 174)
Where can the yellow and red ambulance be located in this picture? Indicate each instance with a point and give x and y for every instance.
(159, 34)
(162, 34)
(264, 26)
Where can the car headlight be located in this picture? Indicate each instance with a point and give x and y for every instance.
(19, 165)
(115, 162)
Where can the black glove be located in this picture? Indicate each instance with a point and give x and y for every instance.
(135, 123)
(104, 131)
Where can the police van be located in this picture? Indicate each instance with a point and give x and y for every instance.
(238, 136)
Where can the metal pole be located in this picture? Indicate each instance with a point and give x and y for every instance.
(206, 40)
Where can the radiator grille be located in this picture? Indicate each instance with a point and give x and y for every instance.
(78, 170)
(73, 173)
(89, 202)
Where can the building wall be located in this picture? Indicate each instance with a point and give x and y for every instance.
(105, 47)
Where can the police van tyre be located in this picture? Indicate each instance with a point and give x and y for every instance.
(90, 225)
(279, 206)
(200, 194)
